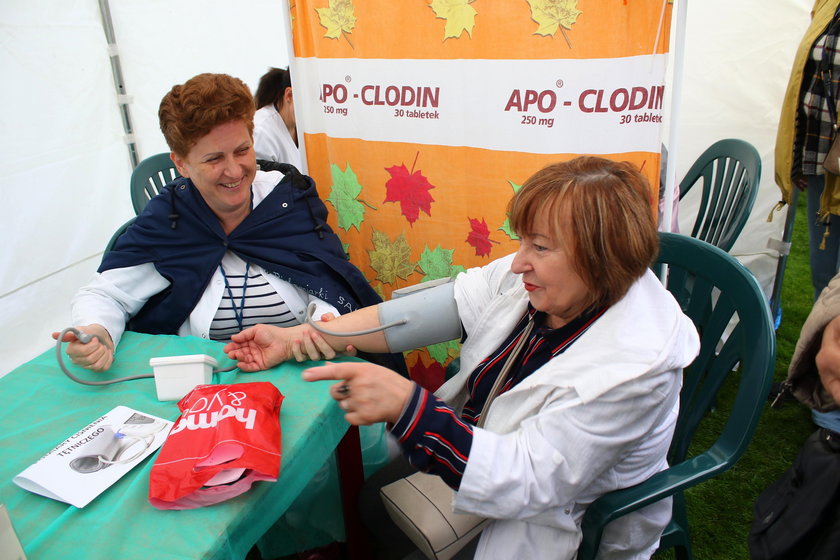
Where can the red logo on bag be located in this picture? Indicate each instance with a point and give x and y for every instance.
(201, 414)
(228, 437)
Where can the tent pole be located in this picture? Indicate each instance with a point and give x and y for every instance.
(122, 99)
(676, 93)
(784, 251)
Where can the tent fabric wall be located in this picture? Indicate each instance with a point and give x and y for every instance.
(64, 167)
(738, 57)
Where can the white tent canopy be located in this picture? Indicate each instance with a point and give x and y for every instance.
(66, 166)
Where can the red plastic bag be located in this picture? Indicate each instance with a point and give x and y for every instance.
(227, 437)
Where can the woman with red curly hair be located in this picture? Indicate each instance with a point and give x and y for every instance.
(224, 247)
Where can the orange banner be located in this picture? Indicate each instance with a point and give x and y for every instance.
(479, 29)
(420, 119)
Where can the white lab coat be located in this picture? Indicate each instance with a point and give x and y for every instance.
(596, 418)
(272, 140)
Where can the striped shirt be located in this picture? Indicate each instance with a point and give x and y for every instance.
(432, 435)
(261, 304)
(815, 120)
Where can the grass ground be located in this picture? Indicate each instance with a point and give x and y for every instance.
(720, 510)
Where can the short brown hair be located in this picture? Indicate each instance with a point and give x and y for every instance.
(190, 111)
(602, 209)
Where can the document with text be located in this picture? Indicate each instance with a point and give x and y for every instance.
(85, 464)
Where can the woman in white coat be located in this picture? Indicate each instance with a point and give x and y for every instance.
(590, 404)
(275, 126)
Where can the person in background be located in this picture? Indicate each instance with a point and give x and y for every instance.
(275, 127)
(675, 202)
(589, 406)
(814, 372)
(806, 129)
(797, 515)
(828, 359)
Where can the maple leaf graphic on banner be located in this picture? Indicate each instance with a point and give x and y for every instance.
(552, 15)
(337, 19)
(506, 226)
(443, 351)
(437, 263)
(429, 377)
(479, 237)
(390, 260)
(410, 189)
(344, 194)
(459, 16)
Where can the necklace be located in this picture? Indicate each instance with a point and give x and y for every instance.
(240, 312)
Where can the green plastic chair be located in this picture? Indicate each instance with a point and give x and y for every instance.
(116, 235)
(147, 180)
(720, 290)
(730, 171)
(149, 177)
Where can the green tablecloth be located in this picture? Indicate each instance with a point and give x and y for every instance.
(42, 406)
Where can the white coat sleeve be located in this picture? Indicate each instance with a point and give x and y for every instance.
(113, 296)
(559, 456)
(477, 287)
(266, 145)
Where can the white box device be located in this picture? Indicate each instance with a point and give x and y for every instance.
(175, 376)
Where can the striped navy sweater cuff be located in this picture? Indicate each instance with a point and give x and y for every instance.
(433, 438)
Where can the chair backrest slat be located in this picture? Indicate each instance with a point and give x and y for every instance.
(149, 177)
(729, 172)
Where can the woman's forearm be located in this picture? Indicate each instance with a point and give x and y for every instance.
(360, 320)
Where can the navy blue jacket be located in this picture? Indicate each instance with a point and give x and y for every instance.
(287, 234)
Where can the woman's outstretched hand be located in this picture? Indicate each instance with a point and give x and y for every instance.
(263, 346)
(256, 348)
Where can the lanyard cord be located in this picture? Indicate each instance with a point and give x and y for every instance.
(238, 313)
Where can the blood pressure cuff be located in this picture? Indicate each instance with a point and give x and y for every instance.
(227, 438)
(420, 315)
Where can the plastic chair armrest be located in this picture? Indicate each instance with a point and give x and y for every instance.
(666, 483)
